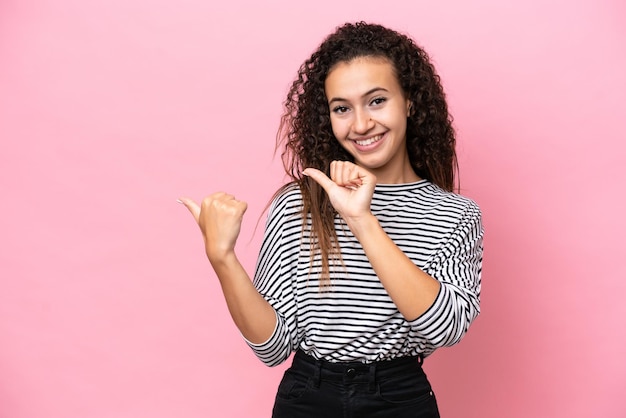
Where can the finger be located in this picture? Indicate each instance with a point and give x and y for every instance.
(220, 198)
(223, 204)
(358, 172)
(355, 175)
(192, 206)
(346, 174)
(242, 206)
(337, 172)
(228, 204)
(351, 175)
(319, 177)
(334, 169)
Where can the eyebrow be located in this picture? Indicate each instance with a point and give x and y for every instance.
(367, 93)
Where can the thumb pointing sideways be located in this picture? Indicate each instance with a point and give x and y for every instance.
(321, 178)
(193, 207)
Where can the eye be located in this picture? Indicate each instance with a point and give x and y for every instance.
(378, 101)
(340, 109)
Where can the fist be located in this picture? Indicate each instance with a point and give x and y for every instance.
(219, 217)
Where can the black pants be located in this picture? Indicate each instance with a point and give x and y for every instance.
(319, 389)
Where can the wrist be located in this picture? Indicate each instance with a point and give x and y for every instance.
(362, 225)
(221, 257)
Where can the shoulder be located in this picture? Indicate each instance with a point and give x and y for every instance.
(461, 215)
(286, 204)
(451, 203)
(424, 197)
(288, 197)
(465, 213)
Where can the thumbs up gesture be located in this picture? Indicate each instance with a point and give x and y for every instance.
(350, 188)
(219, 217)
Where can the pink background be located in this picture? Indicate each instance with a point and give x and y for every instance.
(110, 110)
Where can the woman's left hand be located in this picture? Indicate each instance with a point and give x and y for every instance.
(350, 188)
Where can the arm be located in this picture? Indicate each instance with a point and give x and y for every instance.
(276, 275)
(458, 267)
(219, 218)
(412, 290)
(350, 190)
(440, 301)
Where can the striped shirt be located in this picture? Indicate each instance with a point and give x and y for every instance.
(355, 319)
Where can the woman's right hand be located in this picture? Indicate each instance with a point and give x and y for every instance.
(219, 217)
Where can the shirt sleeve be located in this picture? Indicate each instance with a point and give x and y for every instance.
(458, 267)
(275, 276)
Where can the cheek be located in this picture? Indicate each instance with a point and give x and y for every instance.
(340, 128)
(397, 119)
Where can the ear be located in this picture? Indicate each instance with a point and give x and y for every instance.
(409, 108)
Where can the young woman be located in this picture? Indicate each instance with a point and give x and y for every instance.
(370, 261)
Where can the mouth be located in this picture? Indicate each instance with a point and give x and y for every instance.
(368, 141)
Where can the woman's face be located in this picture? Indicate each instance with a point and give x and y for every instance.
(368, 114)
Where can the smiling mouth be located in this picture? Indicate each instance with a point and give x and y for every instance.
(368, 141)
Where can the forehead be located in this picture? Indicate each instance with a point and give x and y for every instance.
(360, 75)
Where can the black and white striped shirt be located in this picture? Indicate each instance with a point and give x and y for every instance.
(355, 319)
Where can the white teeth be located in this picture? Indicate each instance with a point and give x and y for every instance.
(369, 141)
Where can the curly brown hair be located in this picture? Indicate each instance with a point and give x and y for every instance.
(306, 132)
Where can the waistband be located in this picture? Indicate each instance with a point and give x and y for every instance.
(355, 371)
(399, 362)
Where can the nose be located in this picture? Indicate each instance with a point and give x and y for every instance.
(362, 121)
